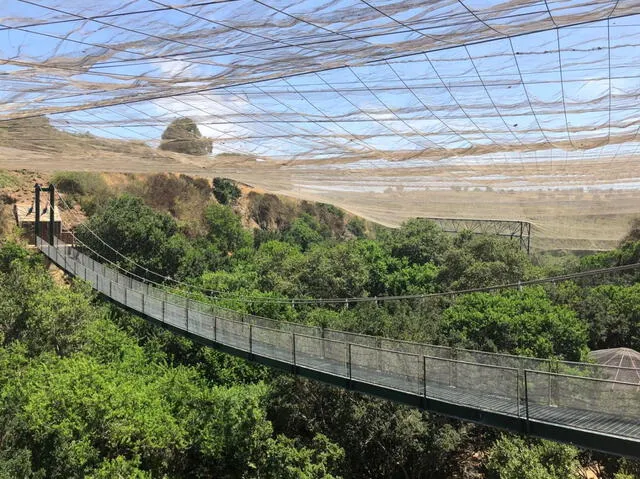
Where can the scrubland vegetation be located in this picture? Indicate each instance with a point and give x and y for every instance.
(88, 390)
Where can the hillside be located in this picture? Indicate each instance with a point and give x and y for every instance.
(574, 217)
(182, 196)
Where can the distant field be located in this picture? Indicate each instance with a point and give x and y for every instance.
(568, 218)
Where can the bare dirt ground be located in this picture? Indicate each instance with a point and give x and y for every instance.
(569, 214)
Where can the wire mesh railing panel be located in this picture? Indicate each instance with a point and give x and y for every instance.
(303, 329)
(92, 277)
(111, 274)
(392, 369)
(485, 387)
(229, 315)
(104, 285)
(157, 293)
(272, 343)
(233, 333)
(503, 360)
(582, 393)
(599, 371)
(263, 322)
(493, 381)
(415, 348)
(200, 307)
(353, 338)
(135, 300)
(138, 286)
(322, 354)
(202, 324)
(118, 292)
(177, 300)
(175, 315)
(438, 371)
(153, 307)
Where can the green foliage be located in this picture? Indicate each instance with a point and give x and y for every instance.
(183, 136)
(225, 191)
(357, 227)
(420, 241)
(525, 322)
(398, 441)
(141, 234)
(513, 458)
(225, 232)
(304, 232)
(612, 313)
(89, 391)
(119, 467)
(7, 179)
(286, 460)
(476, 261)
(88, 189)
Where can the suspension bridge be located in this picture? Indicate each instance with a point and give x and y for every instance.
(563, 401)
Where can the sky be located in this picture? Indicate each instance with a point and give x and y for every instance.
(553, 91)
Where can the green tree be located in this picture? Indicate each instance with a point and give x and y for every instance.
(518, 322)
(225, 232)
(514, 458)
(139, 233)
(612, 313)
(304, 232)
(477, 261)
(420, 241)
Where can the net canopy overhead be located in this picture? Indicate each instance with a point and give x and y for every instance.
(365, 78)
(350, 96)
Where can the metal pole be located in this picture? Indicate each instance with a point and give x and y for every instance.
(52, 197)
(424, 376)
(36, 231)
(522, 235)
(349, 360)
(186, 312)
(526, 396)
(250, 338)
(518, 391)
(293, 347)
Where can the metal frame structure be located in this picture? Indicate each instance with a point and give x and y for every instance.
(514, 229)
(52, 197)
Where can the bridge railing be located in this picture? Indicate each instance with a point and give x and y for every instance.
(525, 387)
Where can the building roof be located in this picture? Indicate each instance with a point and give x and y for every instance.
(625, 363)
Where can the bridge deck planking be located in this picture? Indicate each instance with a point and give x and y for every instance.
(626, 430)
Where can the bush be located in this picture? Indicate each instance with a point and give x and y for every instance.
(79, 182)
(225, 191)
(89, 190)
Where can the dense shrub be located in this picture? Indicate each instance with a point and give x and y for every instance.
(225, 191)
